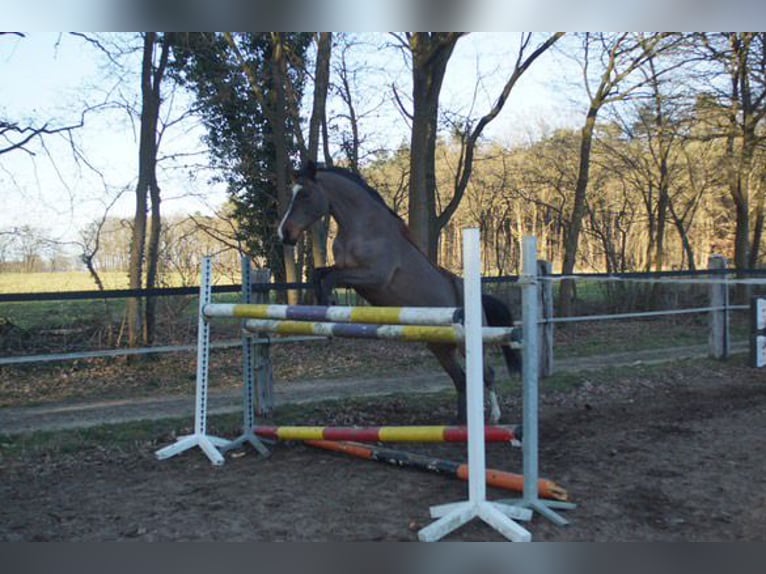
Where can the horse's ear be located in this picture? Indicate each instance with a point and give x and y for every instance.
(310, 170)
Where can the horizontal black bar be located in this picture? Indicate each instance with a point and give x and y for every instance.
(156, 292)
(268, 287)
(638, 275)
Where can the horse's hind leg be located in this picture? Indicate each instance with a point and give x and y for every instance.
(489, 385)
(447, 355)
(451, 364)
(448, 359)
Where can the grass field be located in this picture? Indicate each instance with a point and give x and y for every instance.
(70, 281)
(59, 281)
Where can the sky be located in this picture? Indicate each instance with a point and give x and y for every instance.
(51, 76)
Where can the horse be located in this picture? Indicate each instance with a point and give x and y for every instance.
(375, 255)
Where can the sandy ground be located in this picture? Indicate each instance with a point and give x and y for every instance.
(676, 452)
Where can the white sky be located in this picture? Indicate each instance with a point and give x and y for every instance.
(51, 76)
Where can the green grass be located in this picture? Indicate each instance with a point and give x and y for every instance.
(34, 315)
(118, 436)
(70, 281)
(59, 281)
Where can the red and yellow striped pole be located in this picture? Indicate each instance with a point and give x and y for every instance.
(425, 434)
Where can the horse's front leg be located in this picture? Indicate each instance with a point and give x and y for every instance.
(354, 277)
(324, 283)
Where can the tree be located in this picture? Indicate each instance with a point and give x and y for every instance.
(318, 132)
(17, 136)
(619, 56)
(249, 87)
(471, 131)
(145, 252)
(430, 52)
(738, 88)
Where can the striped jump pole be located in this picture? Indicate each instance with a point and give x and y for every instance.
(495, 478)
(339, 314)
(422, 333)
(420, 434)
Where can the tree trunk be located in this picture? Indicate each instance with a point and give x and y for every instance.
(430, 54)
(662, 214)
(278, 103)
(147, 158)
(317, 121)
(578, 212)
(758, 222)
(152, 102)
(679, 224)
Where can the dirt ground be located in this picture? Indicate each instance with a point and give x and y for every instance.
(661, 453)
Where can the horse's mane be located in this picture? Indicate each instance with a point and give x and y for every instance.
(361, 182)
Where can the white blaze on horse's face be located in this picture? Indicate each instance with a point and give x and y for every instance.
(280, 229)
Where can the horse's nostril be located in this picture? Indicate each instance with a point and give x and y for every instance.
(283, 232)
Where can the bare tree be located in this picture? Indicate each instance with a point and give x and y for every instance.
(141, 321)
(430, 53)
(471, 132)
(740, 58)
(619, 56)
(317, 128)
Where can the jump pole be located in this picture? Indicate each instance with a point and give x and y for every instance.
(495, 478)
(411, 333)
(419, 434)
(501, 517)
(339, 314)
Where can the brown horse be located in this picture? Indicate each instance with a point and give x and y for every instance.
(375, 255)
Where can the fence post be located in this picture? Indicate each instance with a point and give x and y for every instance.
(264, 374)
(545, 334)
(718, 336)
(757, 332)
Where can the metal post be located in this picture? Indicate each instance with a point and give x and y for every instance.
(209, 444)
(530, 378)
(249, 382)
(261, 364)
(757, 332)
(718, 337)
(545, 346)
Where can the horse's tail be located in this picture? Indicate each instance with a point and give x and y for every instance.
(499, 315)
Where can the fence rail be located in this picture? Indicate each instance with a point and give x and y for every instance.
(722, 277)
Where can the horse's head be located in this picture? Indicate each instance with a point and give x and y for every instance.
(308, 204)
